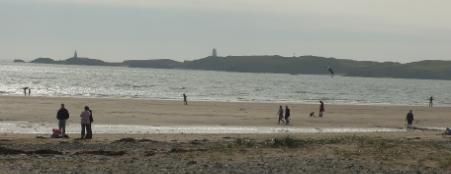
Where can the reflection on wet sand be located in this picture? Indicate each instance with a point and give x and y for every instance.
(43, 128)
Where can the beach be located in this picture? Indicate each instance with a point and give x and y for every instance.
(160, 113)
(404, 151)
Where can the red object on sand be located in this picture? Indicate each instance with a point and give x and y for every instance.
(56, 133)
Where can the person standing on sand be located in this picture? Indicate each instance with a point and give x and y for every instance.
(321, 108)
(287, 115)
(409, 119)
(185, 101)
(430, 101)
(86, 123)
(62, 115)
(280, 113)
(29, 91)
(91, 120)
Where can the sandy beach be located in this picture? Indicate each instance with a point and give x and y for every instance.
(414, 151)
(148, 112)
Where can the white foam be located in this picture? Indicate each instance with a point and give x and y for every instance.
(21, 127)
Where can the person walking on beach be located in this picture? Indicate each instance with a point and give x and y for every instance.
(86, 123)
(62, 115)
(409, 119)
(280, 113)
(25, 91)
(29, 91)
(185, 101)
(321, 108)
(287, 115)
(430, 101)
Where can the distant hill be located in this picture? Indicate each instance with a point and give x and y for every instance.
(428, 69)
(157, 63)
(18, 61)
(44, 60)
(76, 61)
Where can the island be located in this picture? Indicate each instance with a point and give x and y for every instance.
(18, 61)
(426, 69)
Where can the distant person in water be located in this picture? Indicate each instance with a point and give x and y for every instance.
(86, 123)
(331, 71)
(185, 101)
(287, 115)
(431, 99)
(321, 108)
(409, 119)
(25, 91)
(280, 113)
(62, 115)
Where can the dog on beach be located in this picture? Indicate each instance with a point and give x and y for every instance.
(312, 114)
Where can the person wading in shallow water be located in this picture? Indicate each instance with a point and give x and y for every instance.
(287, 115)
(280, 113)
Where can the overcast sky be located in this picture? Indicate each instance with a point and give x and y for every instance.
(114, 30)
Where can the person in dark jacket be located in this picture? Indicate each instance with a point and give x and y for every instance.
(431, 99)
(409, 119)
(287, 115)
(185, 100)
(62, 115)
(321, 108)
(91, 120)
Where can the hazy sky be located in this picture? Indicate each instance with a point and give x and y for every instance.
(114, 30)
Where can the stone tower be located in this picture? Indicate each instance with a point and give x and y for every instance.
(214, 53)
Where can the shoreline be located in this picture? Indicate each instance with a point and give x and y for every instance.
(232, 101)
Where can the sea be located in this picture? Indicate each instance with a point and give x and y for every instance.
(199, 85)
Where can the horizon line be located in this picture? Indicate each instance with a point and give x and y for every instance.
(181, 61)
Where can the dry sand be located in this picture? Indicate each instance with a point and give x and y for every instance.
(305, 153)
(147, 112)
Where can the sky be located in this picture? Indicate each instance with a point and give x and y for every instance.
(116, 30)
